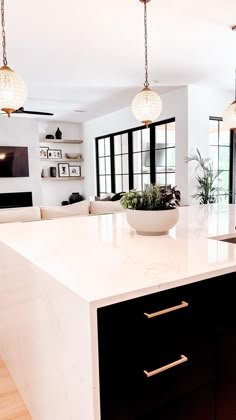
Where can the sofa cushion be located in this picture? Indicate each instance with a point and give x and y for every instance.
(76, 209)
(20, 214)
(105, 207)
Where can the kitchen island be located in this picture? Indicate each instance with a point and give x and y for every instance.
(71, 293)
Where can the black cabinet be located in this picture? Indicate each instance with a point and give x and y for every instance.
(169, 355)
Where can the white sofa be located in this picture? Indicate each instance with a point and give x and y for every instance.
(83, 208)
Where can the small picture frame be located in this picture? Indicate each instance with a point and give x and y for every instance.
(54, 154)
(75, 170)
(63, 170)
(43, 152)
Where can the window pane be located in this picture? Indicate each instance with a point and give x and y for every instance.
(224, 182)
(108, 165)
(138, 182)
(125, 183)
(170, 159)
(171, 180)
(160, 136)
(102, 166)
(101, 150)
(146, 180)
(118, 183)
(118, 164)
(160, 179)
(160, 159)
(145, 169)
(146, 139)
(107, 146)
(170, 134)
(137, 141)
(137, 162)
(102, 184)
(124, 143)
(224, 158)
(125, 164)
(213, 132)
(117, 145)
(108, 182)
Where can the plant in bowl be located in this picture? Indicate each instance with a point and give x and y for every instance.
(152, 211)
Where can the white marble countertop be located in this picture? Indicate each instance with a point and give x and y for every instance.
(104, 261)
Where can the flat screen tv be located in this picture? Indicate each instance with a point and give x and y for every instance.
(14, 162)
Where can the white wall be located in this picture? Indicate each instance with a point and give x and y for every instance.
(175, 104)
(54, 192)
(16, 131)
(203, 102)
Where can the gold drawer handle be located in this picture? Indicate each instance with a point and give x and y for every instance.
(165, 311)
(182, 359)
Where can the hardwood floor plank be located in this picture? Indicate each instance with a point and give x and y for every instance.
(12, 406)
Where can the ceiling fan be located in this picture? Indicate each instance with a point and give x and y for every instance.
(21, 110)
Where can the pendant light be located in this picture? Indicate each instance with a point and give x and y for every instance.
(13, 90)
(146, 105)
(229, 116)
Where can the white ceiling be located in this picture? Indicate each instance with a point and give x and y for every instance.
(88, 55)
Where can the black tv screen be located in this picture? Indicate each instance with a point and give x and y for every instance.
(14, 162)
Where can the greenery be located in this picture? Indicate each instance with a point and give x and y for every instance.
(207, 190)
(153, 197)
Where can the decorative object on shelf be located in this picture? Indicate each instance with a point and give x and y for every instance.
(13, 90)
(207, 190)
(75, 197)
(75, 170)
(54, 154)
(73, 155)
(152, 211)
(63, 170)
(43, 152)
(49, 136)
(146, 105)
(58, 134)
(42, 173)
(53, 171)
(65, 203)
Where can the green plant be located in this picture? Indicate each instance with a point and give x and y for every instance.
(207, 191)
(153, 197)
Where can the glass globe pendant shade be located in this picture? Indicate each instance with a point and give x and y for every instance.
(147, 106)
(13, 90)
(229, 116)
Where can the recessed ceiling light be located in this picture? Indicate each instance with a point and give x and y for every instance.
(79, 110)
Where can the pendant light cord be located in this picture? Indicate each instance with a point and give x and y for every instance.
(146, 84)
(4, 54)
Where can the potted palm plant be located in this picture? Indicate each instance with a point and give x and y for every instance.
(152, 211)
(207, 190)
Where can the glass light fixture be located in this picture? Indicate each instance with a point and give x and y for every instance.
(146, 105)
(229, 116)
(13, 90)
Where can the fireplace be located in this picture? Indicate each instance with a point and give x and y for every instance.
(16, 199)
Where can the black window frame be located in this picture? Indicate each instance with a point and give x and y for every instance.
(131, 174)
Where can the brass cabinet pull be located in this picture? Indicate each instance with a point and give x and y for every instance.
(182, 359)
(165, 311)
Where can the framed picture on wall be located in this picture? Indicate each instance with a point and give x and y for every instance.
(63, 169)
(54, 154)
(75, 170)
(43, 152)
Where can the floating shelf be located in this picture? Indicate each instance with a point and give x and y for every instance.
(60, 160)
(63, 178)
(62, 141)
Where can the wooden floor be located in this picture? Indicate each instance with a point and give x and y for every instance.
(11, 404)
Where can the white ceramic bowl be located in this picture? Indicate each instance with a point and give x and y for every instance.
(72, 155)
(152, 222)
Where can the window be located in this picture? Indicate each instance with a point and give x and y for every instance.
(136, 157)
(219, 153)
